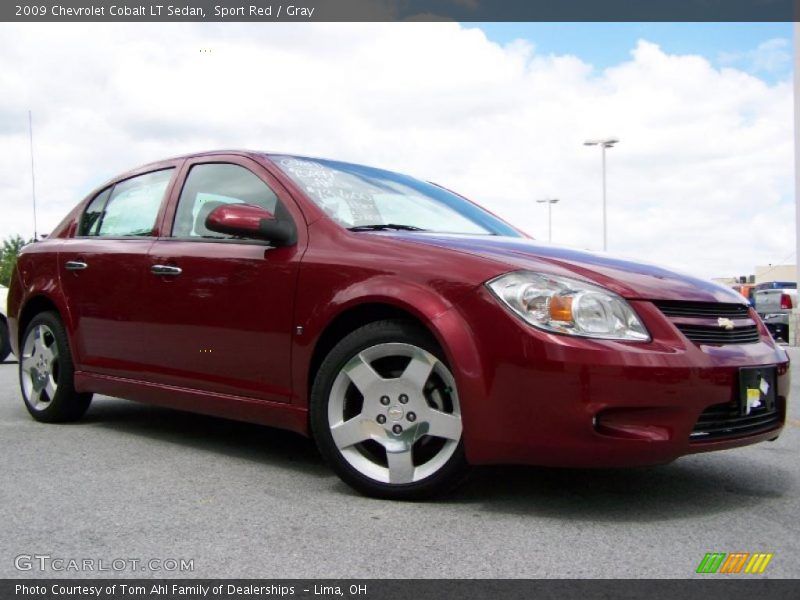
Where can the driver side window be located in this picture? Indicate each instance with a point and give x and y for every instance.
(211, 185)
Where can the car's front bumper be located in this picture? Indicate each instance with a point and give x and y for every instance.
(557, 400)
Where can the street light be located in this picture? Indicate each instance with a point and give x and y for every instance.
(603, 143)
(549, 202)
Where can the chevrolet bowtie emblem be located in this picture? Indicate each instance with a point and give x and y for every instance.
(725, 323)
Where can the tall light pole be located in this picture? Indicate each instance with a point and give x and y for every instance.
(549, 202)
(604, 144)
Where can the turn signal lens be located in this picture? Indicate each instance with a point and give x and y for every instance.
(561, 308)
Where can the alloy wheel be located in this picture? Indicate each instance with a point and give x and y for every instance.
(39, 367)
(394, 414)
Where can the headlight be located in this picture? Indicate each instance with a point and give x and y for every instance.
(564, 305)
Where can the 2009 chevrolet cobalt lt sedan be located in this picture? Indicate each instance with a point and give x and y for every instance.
(410, 331)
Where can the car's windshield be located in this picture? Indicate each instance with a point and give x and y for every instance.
(366, 199)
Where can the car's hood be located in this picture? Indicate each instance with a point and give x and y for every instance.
(631, 279)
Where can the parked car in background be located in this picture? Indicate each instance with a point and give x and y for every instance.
(776, 285)
(5, 342)
(774, 306)
(408, 330)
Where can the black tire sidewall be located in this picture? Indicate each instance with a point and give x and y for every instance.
(372, 334)
(67, 405)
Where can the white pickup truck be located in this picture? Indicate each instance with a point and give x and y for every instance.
(5, 345)
(775, 306)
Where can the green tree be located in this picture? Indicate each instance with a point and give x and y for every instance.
(8, 256)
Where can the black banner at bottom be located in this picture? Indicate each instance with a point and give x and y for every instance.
(731, 588)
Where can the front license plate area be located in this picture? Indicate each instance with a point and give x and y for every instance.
(757, 390)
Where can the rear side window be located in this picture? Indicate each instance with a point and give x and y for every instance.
(214, 184)
(129, 208)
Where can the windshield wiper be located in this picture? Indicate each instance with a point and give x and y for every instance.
(385, 226)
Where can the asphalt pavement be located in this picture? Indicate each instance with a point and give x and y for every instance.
(134, 483)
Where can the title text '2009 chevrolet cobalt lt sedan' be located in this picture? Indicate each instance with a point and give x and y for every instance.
(408, 330)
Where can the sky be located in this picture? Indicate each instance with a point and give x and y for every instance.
(701, 181)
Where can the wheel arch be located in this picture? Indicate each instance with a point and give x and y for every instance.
(354, 317)
(444, 322)
(33, 306)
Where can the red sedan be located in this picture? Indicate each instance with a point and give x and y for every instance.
(409, 331)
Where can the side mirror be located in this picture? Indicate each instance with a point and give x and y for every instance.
(248, 221)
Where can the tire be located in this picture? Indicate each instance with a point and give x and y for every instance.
(376, 398)
(46, 372)
(5, 342)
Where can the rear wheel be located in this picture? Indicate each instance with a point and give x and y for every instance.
(386, 413)
(5, 342)
(46, 372)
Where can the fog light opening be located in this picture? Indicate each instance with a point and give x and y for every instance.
(632, 424)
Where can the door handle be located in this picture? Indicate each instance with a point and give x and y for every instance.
(166, 270)
(75, 265)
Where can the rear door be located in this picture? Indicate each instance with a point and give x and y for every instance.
(220, 309)
(104, 266)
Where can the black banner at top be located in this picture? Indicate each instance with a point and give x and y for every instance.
(398, 10)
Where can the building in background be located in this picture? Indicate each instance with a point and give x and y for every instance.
(768, 273)
(728, 281)
(763, 274)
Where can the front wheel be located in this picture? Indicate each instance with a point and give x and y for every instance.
(386, 415)
(46, 372)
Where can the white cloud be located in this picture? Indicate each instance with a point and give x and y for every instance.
(772, 56)
(702, 179)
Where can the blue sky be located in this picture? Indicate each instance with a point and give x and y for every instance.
(607, 44)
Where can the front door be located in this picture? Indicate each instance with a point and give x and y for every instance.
(222, 308)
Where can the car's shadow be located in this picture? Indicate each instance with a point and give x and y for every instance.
(691, 487)
(694, 486)
(267, 445)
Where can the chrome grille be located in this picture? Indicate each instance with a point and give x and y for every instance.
(704, 310)
(698, 321)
